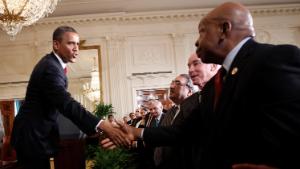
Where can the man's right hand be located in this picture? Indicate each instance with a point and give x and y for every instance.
(130, 132)
(116, 135)
(107, 144)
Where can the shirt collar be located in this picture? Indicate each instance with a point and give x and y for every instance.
(64, 65)
(159, 116)
(232, 54)
(177, 106)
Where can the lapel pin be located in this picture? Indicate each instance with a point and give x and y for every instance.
(234, 71)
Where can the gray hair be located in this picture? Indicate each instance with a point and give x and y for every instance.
(189, 82)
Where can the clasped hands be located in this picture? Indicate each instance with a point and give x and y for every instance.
(118, 134)
(123, 135)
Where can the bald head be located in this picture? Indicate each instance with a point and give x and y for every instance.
(237, 14)
(221, 30)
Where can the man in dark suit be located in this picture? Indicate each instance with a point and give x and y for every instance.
(182, 156)
(180, 88)
(256, 119)
(144, 152)
(35, 132)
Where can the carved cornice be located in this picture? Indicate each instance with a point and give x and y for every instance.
(163, 16)
(151, 75)
(271, 10)
(13, 84)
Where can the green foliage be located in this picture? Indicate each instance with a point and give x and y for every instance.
(111, 159)
(90, 151)
(117, 158)
(102, 110)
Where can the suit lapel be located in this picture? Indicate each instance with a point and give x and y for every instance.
(232, 76)
(61, 68)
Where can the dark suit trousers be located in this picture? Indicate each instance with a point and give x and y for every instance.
(33, 163)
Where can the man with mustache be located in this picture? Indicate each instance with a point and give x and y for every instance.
(200, 73)
(180, 89)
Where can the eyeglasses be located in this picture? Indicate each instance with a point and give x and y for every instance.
(177, 83)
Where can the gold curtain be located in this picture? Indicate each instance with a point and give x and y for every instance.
(7, 114)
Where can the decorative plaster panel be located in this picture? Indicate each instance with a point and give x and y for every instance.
(16, 63)
(263, 36)
(278, 36)
(149, 54)
(151, 80)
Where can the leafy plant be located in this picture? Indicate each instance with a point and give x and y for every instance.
(108, 159)
(90, 151)
(103, 110)
(113, 159)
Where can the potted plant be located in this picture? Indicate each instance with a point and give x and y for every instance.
(102, 110)
(117, 158)
(98, 158)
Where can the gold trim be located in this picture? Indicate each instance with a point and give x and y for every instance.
(98, 48)
(10, 16)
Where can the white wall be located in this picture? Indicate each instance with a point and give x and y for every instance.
(131, 43)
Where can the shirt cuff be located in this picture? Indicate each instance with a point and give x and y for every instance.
(97, 128)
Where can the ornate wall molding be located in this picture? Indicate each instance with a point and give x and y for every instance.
(263, 36)
(151, 79)
(12, 90)
(164, 16)
(271, 10)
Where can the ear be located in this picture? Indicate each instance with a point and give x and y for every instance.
(213, 67)
(225, 28)
(190, 93)
(55, 45)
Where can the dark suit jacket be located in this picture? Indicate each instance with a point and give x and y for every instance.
(144, 152)
(258, 116)
(35, 130)
(183, 155)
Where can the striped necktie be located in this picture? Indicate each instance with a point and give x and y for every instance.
(177, 110)
(167, 121)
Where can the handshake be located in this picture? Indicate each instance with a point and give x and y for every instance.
(118, 134)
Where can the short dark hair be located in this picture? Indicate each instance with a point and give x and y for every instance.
(58, 33)
(189, 82)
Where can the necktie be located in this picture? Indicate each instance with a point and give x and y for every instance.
(65, 70)
(177, 110)
(156, 122)
(218, 81)
(169, 115)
